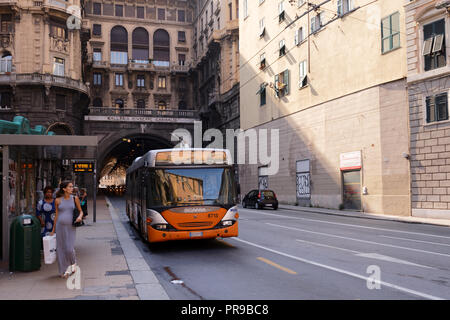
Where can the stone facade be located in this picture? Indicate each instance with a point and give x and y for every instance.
(145, 82)
(41, 74)
(430, 136)
(216, 63)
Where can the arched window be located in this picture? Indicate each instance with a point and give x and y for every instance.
(162, 105)
(119, 45)
(6, 62)
(97, 103)
(140, 45)
(161, 48)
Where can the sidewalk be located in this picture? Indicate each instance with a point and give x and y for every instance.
(105, 254)
(357, 214)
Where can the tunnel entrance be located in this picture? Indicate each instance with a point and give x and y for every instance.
(120, 156)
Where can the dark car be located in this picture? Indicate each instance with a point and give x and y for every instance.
(260, 199)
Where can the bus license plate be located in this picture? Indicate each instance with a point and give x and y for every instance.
(195, 234)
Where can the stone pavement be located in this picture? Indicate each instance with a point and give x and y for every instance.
(349, 213)
(111, 268)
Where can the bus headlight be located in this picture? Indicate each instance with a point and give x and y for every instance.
(156, 220)
(227, 223)
(230, 216)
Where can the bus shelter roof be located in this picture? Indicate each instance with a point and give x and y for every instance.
(44, 140)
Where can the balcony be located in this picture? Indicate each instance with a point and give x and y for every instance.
(140, 65)
(141, 115)
(232, 25)
(100, 64)
(179, 68)
(161, 65)
(47, 80)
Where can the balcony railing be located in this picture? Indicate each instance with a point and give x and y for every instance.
(179, 68)
(145, 65)
(43, 79)
(167, 113)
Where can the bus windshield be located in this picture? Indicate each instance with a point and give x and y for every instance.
(191, 186)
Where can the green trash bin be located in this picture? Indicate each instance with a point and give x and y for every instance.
(25, 244)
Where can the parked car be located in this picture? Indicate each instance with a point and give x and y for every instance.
(260, 199)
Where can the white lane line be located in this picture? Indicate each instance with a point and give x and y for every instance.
(359, 240)
(436, 243)
(350, 225)
(368, 255)
(327, 246)
(355, 275)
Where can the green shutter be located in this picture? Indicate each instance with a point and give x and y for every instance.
(276, 85)
(286, 81)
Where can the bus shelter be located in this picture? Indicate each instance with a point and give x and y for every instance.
(31, 162)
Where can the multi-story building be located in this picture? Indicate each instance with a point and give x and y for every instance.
(139, 53)
(428, 27)
(216, 62)
(41, 64)
(331, 77)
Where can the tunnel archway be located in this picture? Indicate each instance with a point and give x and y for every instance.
(120, 154)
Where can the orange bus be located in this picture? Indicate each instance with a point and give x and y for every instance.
(177, 194)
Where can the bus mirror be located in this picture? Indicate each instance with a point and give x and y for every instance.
(239, 188)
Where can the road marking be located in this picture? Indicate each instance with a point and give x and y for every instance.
(437, 243)
(368, 255)
(355, 275)
(325, 245)
(350, 225)
(273, 264)
(390, 259)
(359, 240)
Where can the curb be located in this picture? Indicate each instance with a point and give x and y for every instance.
(367, 216)
(146, 283)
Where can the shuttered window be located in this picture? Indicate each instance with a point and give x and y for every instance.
(390, 32)
(437, 108)
(433, 47)
(282, 87)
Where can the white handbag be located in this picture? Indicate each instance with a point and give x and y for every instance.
(49, 249)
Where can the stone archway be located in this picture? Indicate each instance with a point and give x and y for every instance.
(61, 128)
(119, 153)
